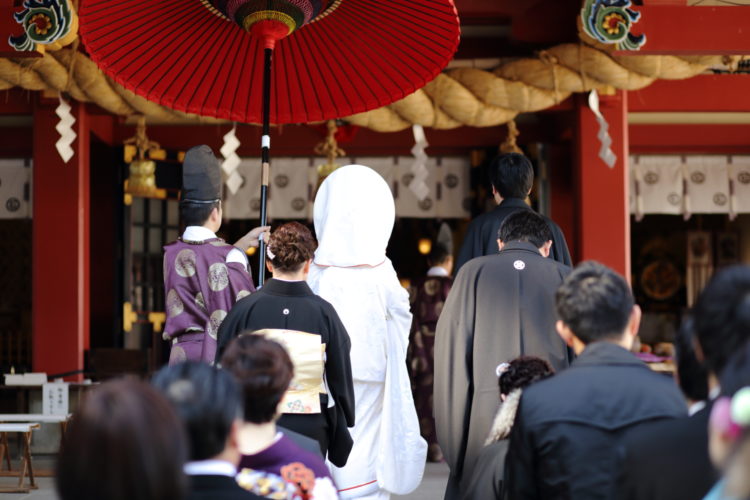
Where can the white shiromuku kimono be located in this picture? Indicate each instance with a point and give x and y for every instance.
(354, 214)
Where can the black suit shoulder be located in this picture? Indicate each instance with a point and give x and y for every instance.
(623, 395)
(667, 460)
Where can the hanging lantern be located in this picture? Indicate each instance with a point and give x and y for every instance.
(141, 180)
(424, 246)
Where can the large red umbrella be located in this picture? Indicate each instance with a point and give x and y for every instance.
(331, 58)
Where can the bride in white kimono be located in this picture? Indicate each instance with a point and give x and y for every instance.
(354, 214)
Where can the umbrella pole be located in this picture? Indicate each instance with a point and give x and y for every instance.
(265, 153)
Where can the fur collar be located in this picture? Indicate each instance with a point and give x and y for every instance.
(506, 414)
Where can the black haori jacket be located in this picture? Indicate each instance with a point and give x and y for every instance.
(567, 434)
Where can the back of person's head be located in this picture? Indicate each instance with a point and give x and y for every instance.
(439, 254)
(512, 175)
(207, 400)
(736, 374)
(290, 246)
(526, 226)
(722, 316)
(691, 373)
(196, 214)
(595, 303)
(729, 424)
(521, 372)
(264, 370)
(124, 442)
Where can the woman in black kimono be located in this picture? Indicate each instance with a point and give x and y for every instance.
(320, 400)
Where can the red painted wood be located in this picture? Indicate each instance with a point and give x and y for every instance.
(547, 22)
(697, 139)
(60, 260)
(703, 93)
(299, 140)
(675, 29)
(664, 2)
(103, 126)
(562, 192)
(16, 101)
(602, 192)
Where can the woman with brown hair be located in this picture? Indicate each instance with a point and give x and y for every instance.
(125, 442)
(320, 400)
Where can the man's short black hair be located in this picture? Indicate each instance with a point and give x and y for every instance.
(196, 214)
(594, 302)
(512, 175)
(691, 373)
(438, 254)
(525, 225)
(207, 400)
(722, 316)
(736, 373)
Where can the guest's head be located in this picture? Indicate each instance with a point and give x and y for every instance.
(264, 370)
(209, 404)
(124, 442)
(511, 175)
(525, 226)
(290, 250)
(595, 304)
(691, 373)
(729, 425)
(521, 372)
(440, 256)
(722, 316)
(513, 377)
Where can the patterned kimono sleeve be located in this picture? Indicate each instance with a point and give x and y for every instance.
(240, 281)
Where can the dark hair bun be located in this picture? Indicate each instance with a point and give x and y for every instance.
(522, 372)
(290, 246)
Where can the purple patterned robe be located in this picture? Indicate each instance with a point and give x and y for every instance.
(428, 297)
(201, 287)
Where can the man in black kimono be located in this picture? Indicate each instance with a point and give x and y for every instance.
(500, 307)
(512, 178)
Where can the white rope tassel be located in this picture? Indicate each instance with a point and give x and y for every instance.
(418, 186)
(231, 160)
(605, 153)
(65, 128)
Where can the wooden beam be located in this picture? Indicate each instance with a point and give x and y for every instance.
(674, 29)
(299, 140)
(15, 101)
(694, 139)
(703, 93)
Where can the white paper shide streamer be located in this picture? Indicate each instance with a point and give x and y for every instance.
(231, 160)
(418, 186)
(605, 153)
(65, 128)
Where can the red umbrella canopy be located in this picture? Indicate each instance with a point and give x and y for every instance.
(333, 58)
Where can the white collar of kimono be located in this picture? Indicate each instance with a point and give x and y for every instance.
(353, 214)
(197, 233)
(437, 271)
(210, 468)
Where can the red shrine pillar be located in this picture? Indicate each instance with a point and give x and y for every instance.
(603, 213)
(60, 254)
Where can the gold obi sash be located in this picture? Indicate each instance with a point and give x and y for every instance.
(307, 353)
